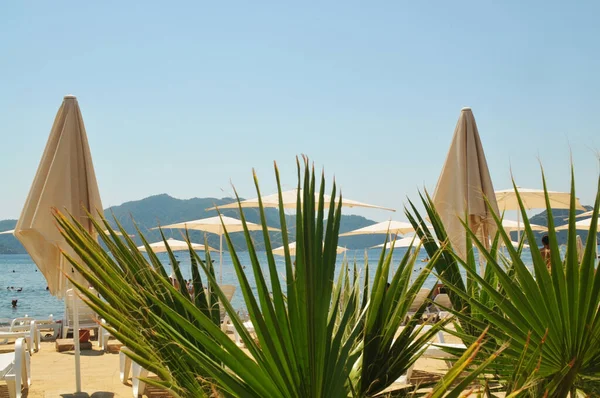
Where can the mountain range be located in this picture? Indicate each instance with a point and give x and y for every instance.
(163, 209)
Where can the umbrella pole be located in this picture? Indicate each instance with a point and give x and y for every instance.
(221, 258)
(75, 329)
(518, 226)
(76, 343)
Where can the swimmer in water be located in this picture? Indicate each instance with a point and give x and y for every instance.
(14, 303)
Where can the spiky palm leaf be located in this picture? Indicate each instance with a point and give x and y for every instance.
(313, 338)
(550, 314)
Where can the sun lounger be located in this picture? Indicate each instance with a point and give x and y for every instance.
(42, 325)
(432, 350)
(127, 366)
(15, 369)
(442, 301)
(29, 332)
(87, 317)
(420, 298)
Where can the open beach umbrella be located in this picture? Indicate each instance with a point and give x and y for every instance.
(174, 245)
(586, 214)
(280, 251)
(510, 225)
(463, 186)
(290, 201)
(533, 199)
(583, 224)
(65, 180)
(214, 225)
(404, 242)
(393, 227)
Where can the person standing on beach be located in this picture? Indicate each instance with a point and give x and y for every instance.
(546, 251)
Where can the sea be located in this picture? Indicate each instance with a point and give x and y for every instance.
(20, 279)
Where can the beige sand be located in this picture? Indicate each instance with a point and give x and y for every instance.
(53, 376)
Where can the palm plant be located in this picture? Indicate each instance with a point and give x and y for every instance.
(314, 338)
(549, 315)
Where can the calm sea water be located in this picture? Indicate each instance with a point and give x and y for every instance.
(19, 271)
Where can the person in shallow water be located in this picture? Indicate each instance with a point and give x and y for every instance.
(14, 303)
(545, 251)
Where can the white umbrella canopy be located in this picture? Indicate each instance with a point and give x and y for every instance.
(534, 199)
(404, 242)
(510, 225)
(66, 181)
(393, 227)
(583, 224)
(290, 202)
(280, 251)
(214, 225)
(463, 186)
(174, 245)
(586, 214)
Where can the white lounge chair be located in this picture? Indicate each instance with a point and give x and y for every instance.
(126, 366)
(442, 300)
(87, 317)
(15, 369)
(432, 350)
(48, 324)
(420, 298)
(27, 331)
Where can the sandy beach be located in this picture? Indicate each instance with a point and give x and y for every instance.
(52, 373)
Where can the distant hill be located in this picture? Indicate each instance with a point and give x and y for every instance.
(163, 209)
(559, 216)
(8, 243)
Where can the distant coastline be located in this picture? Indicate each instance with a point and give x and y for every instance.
(164, 209)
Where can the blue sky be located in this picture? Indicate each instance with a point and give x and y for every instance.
(182, 98)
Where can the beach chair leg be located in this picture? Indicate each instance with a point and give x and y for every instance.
(124, 367)
(138, 386)
(26, 376)
(12, 388)
(409, 373)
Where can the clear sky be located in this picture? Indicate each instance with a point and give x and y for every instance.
(182, 97)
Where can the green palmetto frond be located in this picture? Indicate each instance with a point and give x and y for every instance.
(314, 337)
(553, 315)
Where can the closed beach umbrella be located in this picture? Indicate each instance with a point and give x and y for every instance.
(280, 251)
(290, 199)
(463, 186)
(7, 232)
(174, 245)
(65, 180)
(214, 225)
(393, 227)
